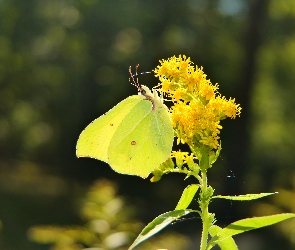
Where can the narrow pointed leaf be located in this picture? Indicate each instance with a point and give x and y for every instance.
(187, 196)
(158, 224)
(245, 197)
(226, 244)
(248, 224)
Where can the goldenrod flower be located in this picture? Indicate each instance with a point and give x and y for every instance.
(179, 157)
(197, 106)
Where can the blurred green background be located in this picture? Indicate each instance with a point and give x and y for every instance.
(63, 63)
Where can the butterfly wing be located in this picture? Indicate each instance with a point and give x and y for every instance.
(142, 141)
(95, 139)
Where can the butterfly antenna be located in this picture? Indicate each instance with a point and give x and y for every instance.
(140, 89)
(133, 76)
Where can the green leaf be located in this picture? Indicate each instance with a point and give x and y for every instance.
(245, 197)
(187, 196)
(226, 244)
(158, 224)
(248, 224)
(213, 156)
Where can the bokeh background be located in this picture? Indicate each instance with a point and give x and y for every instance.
(63, 63)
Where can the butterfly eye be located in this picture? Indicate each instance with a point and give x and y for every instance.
(143, 92)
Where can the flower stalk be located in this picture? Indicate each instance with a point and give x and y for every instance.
(196, 111)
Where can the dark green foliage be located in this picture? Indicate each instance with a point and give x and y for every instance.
(64, 63)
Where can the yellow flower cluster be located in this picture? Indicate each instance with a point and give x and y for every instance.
(182, 158)
(197, 106)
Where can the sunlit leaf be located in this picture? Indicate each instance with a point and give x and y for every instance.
(158, 224)
(245, 197)
(187, 196)
(248, 224)
(226, 244)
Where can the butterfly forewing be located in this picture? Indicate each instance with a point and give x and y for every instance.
(95, 139)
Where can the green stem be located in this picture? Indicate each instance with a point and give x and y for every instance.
(183, 171)
(205, 213)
